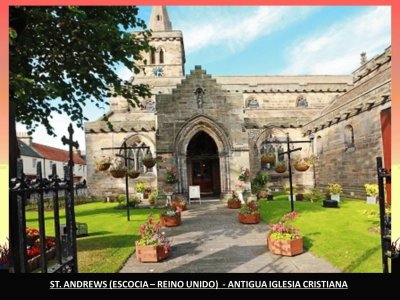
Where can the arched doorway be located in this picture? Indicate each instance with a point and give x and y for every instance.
(203, 164)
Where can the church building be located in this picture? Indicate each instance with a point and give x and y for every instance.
(210, 128)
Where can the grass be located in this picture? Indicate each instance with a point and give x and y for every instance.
(340, 236)
(111, 237)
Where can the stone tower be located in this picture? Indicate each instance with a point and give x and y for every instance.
(168, 58)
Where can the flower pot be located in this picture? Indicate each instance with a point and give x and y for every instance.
(285, 247)
(335, 197)
(151, 253)
(371, 200)
(267, 159)
(134, 174)
(149, 163)
(301, 166)
(182, 206)
(249, 218)
(170, 221)
(102, 166)
(280, 169)
(234, 204)
(118, 173)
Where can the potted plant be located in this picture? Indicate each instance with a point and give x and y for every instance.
(302, 164)
(280, 167)
(140, 188)
(103, 164)
(268, 158)
(152, 246)
(121, 199)
(118, 170)
(171, 217)
(179, 201)
(153, 197)
(249, 213)
(170, 176)
(334, 190)
(372, 191)
(287, 190)
(244, 174)
(285, 239)
(33, 250)
(149, 161)
(234, 201)
(132, 173)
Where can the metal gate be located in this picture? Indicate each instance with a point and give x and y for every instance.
(23, 189)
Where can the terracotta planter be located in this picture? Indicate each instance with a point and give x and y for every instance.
(102, 166)
(285, 247)
(151, 253)
(117, 173)
(267, 159)
(34, 262)
(170, 221)
(301, 166)
(234, 204)
(249, 218)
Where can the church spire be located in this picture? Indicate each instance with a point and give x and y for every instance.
(159, 20)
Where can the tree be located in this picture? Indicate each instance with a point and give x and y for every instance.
(61, 58)
(69, 54)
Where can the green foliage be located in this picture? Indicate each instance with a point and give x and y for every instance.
(121, 199)
(62, 57)
(334, 188)
(287, 188)
(340, 236)
(371, 189)
(141, 187)
(314, 195)
(259, 182)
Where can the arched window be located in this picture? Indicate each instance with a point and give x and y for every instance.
(319, 145)
(152, 57)
(136, 156)
(252, 103)
(301, 102)
(158, 17)
(161, 56)
(348, 137)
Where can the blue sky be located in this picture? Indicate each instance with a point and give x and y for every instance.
(265, 40)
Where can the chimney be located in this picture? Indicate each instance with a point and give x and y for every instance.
(24, 137)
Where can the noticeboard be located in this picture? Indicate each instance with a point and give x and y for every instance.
(194, 192)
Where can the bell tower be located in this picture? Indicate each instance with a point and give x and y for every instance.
(168, 57)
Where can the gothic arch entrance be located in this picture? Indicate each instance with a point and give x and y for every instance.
(203, 164)
(202, 152)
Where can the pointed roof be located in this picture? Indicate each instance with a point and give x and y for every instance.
(159, 20)
(52, 153)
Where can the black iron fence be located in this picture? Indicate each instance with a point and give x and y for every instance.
(63, 245)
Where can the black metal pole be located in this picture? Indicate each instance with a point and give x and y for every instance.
(126, 181)
(381, 174)
(290, 172)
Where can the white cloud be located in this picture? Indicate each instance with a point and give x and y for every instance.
(336, 50)
(60, 124)
(235, 28)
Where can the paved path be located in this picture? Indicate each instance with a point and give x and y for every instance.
(211, 240)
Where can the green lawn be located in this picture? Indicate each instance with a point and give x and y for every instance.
(340, 236)
(111, 237)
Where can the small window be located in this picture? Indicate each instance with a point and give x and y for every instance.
(349, 137)
(152, 57)
(161, 56)
(252, 103)
(158, 18)
(34, 162)
(50, 163)
(301, 102)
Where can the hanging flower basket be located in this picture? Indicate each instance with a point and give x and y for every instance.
(118, 173)
(268, 158)
(301, 166)
(133, 174)
(149, 162)
(280, 168)
(103, 164)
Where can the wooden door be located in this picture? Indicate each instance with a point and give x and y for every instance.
(202, 175)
